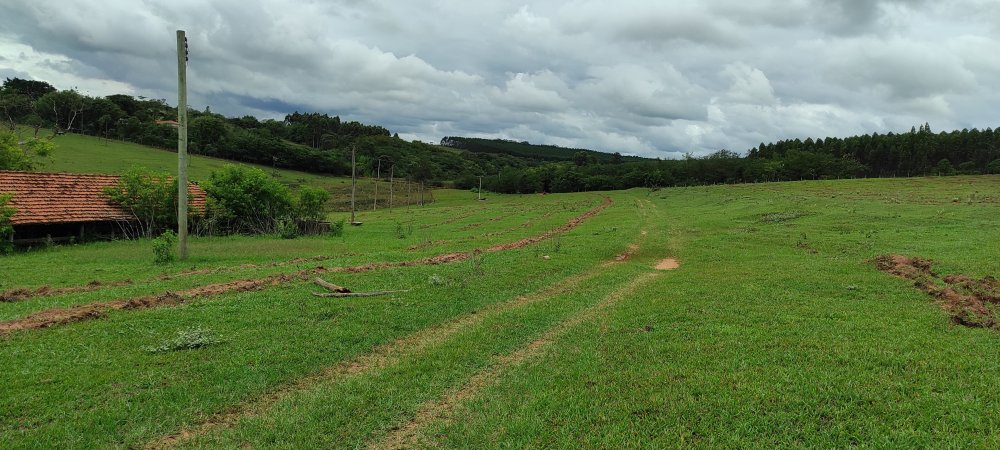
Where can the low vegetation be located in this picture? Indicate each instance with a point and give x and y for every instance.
(771, 326)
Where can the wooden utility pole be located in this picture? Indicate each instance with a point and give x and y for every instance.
(182, 163)
(354, 184)
(480, 188)
(378, 176)
(390, 186)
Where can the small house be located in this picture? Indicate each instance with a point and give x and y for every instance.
(69, 206)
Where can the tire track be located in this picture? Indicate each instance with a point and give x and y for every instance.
(61, 316)
(380, 357)
(408, 434)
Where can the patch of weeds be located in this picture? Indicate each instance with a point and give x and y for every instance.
(556, 245)
(402, 232)
(804, 244)
(337, 228)
(163, 247)
(476, 263)
(437, 280)
(187, 339)
(288, 229)
(605, 230)
(779, 217)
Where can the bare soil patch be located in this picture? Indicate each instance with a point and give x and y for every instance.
(21, 294)
(628, 253)
(668, 264)
(969, 301)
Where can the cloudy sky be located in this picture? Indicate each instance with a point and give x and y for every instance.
(654, 78)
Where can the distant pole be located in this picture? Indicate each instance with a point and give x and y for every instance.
(408, 185)
(391, 168)
(480, 188)
(354, 182)
(182, 139)
(378, 176)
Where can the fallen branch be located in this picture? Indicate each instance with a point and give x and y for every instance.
(332, 287)
(356, 294)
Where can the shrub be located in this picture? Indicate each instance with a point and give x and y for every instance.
(18, 154)
(400, 231)
(337, 228)
(187, 339)
(6, 229)
(150, 196)
(246, 200)
(163, 247)
(288, 229)
(312, 203)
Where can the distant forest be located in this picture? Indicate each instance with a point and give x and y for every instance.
(321, 143)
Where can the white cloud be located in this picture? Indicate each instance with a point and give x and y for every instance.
(651, 78)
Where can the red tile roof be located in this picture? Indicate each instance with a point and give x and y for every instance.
(49, 198)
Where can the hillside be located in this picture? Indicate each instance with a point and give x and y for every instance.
(77, 153)
(533, 151)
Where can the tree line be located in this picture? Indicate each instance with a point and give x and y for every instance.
(321, 143)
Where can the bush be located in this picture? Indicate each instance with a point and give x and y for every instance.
(246, 200)
(6, 229)
(150, 196)
(163, 247)
(337, 228)
(288, 229)
(21, 154)
(312, 203)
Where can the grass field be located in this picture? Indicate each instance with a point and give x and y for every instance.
(776, 329)
(77, 153)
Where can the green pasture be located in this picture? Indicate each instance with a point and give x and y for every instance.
(775, 331)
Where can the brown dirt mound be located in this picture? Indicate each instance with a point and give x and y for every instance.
(17, 295)
(59, 316)
(628, 253)
(668, 264)
(970, 302)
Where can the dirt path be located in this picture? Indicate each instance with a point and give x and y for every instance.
(408, 434)
(21, 294)
(60, 316)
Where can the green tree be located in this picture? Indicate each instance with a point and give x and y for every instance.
(150, 196)
(33, 89)
(6, 229)
(944, 167)
(22, 154)
(246, 200)
(993, 167)
(61, 108)
(312, 203)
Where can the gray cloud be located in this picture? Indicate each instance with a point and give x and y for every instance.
(652, 78)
